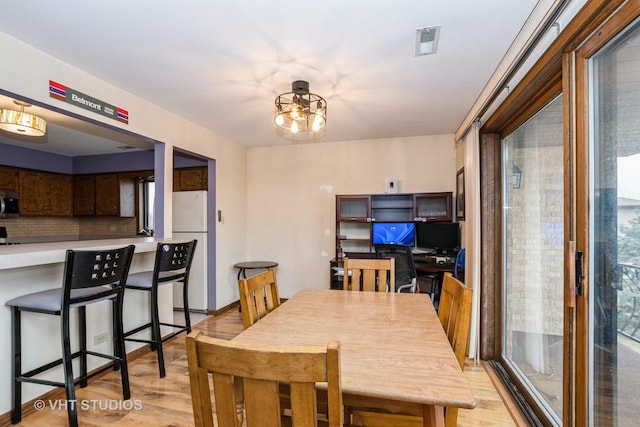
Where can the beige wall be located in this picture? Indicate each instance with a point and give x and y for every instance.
(26, 71)
(291, 195)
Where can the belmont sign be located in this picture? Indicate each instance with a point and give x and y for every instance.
(71, 96)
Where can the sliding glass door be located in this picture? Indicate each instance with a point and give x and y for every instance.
(614, 231)
(533, 257)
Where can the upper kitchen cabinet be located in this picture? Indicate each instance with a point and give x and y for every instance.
(190, 179)
(84, 195)
(106, 194)
(45, 193)
(8, 178)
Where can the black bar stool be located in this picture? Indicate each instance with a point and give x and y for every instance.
(172, 264)
(89, 277)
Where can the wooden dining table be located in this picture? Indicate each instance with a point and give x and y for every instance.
(394, 353)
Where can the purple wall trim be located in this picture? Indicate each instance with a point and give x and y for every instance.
(11, 155)
(119, 162)
(212, 222)
(158, 216)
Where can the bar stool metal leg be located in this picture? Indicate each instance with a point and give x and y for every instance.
(16, 345)
(157, 336)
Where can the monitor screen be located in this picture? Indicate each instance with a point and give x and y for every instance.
(441, 236)
(395, 233)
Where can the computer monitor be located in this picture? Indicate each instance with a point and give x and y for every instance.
(394, 233)
(443, 237)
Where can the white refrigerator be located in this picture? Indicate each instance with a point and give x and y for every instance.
(190, 222)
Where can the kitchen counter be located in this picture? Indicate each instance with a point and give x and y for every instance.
(32, 254)
(34, 267)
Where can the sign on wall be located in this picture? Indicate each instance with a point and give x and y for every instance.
(71, 96)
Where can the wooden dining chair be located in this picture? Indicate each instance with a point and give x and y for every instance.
(454, 313)
(258, 296)
(377, 275)
(262, 368)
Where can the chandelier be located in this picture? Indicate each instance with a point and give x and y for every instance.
(22, 123)
(300, 110)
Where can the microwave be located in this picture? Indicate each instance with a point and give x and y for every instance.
(8, 204)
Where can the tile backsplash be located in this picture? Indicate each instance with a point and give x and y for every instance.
(73, 226)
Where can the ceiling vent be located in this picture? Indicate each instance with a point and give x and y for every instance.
(427, 40)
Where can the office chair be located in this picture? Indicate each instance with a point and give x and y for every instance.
(406, 276)
(459, 265)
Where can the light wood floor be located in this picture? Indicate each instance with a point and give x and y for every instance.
(167, 401)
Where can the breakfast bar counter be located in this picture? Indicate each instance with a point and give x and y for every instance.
(33, 267)
(32, 254)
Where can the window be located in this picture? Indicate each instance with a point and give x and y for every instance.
(146, 205)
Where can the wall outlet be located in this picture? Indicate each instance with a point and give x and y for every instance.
(100, 338)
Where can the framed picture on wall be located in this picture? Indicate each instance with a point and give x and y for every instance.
(460, 194)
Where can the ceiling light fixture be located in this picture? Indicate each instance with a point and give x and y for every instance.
(22, 123)
(300, 110)
(427, 40)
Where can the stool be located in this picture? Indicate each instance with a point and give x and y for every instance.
(89, 277)
(172, 264)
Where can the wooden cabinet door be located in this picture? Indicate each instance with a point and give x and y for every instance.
(433, 206)
(31, 192)
(84, 195)
(8, 178)
(58, 194)
(191, 179)
(353, 208)
(107, 194)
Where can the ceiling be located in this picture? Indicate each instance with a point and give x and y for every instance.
(222, 63)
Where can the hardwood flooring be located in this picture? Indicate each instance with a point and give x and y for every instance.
(167, 401)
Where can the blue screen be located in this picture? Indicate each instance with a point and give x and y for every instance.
(396, 233)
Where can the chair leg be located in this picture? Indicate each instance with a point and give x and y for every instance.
(16, 345)
(82, 337)
(72, 411)
(155, 325)
(185, 305)
(114, 327)
(119, 348)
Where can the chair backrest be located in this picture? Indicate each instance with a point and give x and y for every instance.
(89, 269)
(258, 296)
(262, 368)
(460, 261)
(173, 260)
(404, 265)
(454, 312)
(377, 275)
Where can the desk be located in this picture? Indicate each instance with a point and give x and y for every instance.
(251, 265)
(394, 352)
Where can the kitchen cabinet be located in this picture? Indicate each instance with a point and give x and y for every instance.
(45, 193)
(8, 178)
(107, 195)
(190, 179)
(84, 201)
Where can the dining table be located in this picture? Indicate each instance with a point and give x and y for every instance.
(394, 354)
